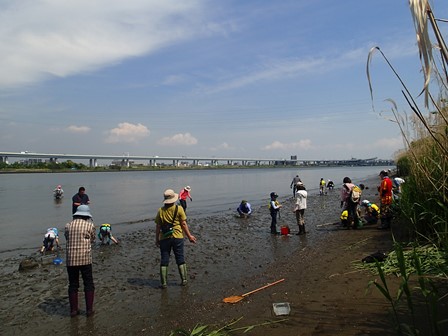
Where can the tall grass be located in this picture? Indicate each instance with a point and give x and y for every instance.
(424, 165)
(424, 130)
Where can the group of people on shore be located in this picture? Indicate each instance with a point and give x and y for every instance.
(244, 209)
(80, 234)
(172, 229)
(351, 203)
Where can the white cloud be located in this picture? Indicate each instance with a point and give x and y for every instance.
(78, 129)
(267, 72)
(127, 132)
(294, 67)
(42, 38)
(277, 145)
(172, 80)
(388, 143)
(178, 139)
(223, 146)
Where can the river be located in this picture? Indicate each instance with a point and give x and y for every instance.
(129, 200)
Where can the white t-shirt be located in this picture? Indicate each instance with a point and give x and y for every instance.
(301, 200)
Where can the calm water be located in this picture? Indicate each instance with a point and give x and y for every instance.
(126, 199)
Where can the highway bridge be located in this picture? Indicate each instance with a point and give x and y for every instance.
(129, 160)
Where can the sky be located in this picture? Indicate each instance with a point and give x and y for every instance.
(243, 79)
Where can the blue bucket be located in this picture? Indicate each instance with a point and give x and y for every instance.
(57, 261)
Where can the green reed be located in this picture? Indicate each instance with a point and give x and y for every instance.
(408, 265)
(226, 330)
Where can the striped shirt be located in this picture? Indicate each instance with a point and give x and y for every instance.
(79, 234)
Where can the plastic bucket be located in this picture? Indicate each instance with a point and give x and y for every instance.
(284, 230)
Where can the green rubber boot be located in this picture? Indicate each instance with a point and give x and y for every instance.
(163, 276)
(183, 274)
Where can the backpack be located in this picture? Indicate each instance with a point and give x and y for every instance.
(355, 194)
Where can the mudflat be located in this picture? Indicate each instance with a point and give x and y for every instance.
(233, 256)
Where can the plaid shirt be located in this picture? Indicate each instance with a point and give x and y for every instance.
(79, 234)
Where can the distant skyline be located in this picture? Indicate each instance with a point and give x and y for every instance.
(259, 79)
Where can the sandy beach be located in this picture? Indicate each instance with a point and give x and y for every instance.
(233, 256)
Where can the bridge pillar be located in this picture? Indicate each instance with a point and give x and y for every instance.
(4, 159)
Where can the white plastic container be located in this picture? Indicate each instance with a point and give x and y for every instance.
(281, 308)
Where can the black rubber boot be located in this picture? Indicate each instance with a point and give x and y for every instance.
(89, 303)
(73, 299)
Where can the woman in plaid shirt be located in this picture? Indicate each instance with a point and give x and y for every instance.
(80, 234)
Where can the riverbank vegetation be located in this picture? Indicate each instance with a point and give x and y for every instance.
(421, 262)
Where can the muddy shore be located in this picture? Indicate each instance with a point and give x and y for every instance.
(233, 256)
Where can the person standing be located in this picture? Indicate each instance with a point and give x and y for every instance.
(322, 185)
(79, 235)
(274, 208)
(293, 185)
(385, 191)
(348, 204)
(171, 225)
(58, 192)
(80, 198)
(183, 195)
(300, 207)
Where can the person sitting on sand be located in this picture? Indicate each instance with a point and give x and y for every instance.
(300, 207)
(372, 212)
(274, 208)
(244, 209)
(50, 238)
(105, 234)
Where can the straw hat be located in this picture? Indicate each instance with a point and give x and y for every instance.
(187, 188)
(170, 196)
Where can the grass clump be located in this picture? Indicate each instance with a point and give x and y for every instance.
(226, 330)
(423, 203)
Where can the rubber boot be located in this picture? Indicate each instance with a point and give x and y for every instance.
(303, 229)
(183, 274)
(73, 299)
(163, 276)
(89, 302)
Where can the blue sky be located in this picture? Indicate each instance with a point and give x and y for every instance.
(254, 79)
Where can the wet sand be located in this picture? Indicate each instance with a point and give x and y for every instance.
(233, 256)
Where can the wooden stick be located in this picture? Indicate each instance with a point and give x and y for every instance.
(326, 224)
